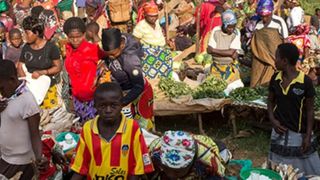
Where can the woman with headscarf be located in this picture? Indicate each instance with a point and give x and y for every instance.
(181, 155)
(224, 46)
(210, 17)
(156, 60)
(269, 33)
(265, 10)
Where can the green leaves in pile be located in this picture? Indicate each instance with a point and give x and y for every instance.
(244, 94)
(262, 91)
(212, 87)
(317, 99)
(174, 89)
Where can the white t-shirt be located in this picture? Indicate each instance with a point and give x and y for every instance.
(277, 23)
(15, 141)
(296, 17)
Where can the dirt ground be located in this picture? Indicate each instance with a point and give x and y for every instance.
(252, 143)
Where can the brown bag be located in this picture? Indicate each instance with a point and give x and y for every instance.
(119, 10)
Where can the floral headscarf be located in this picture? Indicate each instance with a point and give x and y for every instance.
(228, 18)
(265, 7)
(49, 20)
(177, 149)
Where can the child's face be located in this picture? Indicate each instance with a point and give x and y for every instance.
(16, 40)
(89, 35)
(108, 105)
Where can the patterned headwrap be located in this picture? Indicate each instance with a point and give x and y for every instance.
(177, 149)
(228, 18)
(49, 20)
(148, 8)
(265, 7)
(302, 29)
(151, 8)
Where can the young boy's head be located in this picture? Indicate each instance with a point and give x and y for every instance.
(92, 29)
(8, 78)
(108, 102)
(287, 55)
(15, 37)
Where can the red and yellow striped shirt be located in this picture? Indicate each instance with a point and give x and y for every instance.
(125, 154)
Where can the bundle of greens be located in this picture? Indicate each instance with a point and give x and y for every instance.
(244, 94)
(211, 88)
(262, 90)
(203, 59)
(174, 89)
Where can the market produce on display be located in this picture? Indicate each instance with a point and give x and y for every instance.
(262, 90)
(244, 94)
(57, 119)
(212, 87)
(203, 59)
(174, 89)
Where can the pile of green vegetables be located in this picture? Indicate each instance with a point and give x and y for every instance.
(262, 90)
(174, 89)
(317, 99)
(244, 94)
(211, 88)
(203, 59)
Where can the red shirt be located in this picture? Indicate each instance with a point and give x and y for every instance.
(81, 65)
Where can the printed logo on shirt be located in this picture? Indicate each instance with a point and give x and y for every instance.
(146, 159)
(125, 149)
(116, 173)
(298, 91)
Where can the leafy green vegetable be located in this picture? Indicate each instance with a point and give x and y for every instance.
(174, 89)
(212, 87)
(244, 94)
(262, 90)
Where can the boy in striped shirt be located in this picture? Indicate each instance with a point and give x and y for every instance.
(111, 146)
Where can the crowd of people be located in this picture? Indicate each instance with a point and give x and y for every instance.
(103, 57)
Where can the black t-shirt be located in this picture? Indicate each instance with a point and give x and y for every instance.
(290, 107)
(40, 59)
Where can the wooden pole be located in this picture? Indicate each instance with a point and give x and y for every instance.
(167, 20)
(198, 30)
